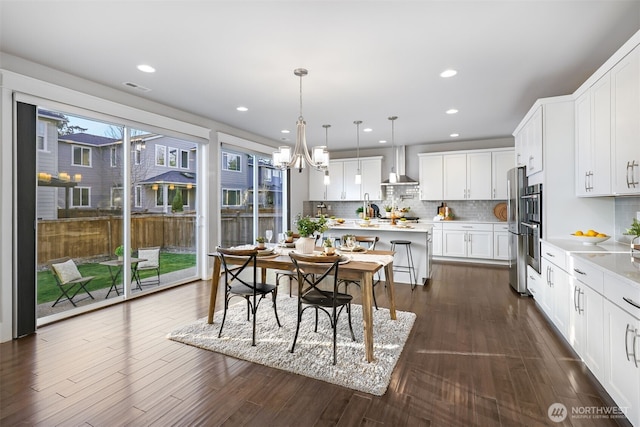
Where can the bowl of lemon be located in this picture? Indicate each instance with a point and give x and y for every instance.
(590, 237)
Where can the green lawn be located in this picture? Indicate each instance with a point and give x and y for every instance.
(49, 291)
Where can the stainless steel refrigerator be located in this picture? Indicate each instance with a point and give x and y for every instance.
(516, 185)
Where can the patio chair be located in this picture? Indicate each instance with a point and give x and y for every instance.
(69, 280)
(151, 263)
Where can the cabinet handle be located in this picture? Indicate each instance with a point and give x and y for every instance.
(627, 174)
(551, 255)
(635, 360)
(626, 341)
(580, 306)
(575, 299)
(468, 193)
(591, 181)
(632, 302)
(494, 193)
(531, 163)
(586, 178)
(533, 291)
(579, 272)
(633, 169)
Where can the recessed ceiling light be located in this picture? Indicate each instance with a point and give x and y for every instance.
(367, 130)
(383, 141)
(242, 109)
(284, 131)
(146, 68)
(448, 73)
(454, 135)
(452, 111)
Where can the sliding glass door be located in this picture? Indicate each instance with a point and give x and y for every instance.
(119, 203)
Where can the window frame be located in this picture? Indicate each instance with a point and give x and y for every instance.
(172, 157)
(161, 152)
(137, 196)
(113, 157)
(82, 149)
(41, 135)
(184, 164)
(226, 161)
(225, 192)
(81, 190)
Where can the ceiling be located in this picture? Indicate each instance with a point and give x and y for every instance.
(367, 60)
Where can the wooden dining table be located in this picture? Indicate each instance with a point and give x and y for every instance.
(362, 271)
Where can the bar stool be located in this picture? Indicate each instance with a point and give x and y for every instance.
(410, 268)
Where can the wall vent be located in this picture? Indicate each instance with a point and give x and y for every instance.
(136, 86)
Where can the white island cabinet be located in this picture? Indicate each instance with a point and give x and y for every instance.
(418, 234)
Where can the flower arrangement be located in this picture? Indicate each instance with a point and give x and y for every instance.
(308, 226)
(634, 230)
(288, 236)
(327, 243)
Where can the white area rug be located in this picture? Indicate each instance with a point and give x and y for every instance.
(313, 355)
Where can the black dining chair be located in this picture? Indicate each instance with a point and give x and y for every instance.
(327, 299)
(246, 286)
(370, 243)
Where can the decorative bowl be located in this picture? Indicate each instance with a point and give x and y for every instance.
(588, 240)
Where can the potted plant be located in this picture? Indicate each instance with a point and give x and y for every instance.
(387, 210)
(119, 252)
(328, 246)
(359, 211)
(634, 231)
(308, 227)
(288, 236)
(260, 242)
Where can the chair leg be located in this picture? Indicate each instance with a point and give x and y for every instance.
(335, 335)
(254, 310)
(274, 295)
(373, 291)
(295, 337)
(64, 294)
(224, 315)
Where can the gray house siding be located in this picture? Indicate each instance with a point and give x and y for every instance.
(47, 161)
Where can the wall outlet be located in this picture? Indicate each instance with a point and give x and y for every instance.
(329, 208)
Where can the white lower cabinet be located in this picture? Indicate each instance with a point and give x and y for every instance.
(437, 239)
(500, 242)
(622, 345)
(467, 240)
(586, 333)
(535, 285)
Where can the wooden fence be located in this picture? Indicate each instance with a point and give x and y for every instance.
(99, 236)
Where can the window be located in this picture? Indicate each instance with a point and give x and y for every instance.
(161, 155)
(81, 196)
(267, 174)
(172, 194)
(173, 157)
(231, 162)
(116, 197)
(41, 137)
(81, 156)
(184, 159)
(114, 157)
(137, 155)
(137, 196)
(231, 197)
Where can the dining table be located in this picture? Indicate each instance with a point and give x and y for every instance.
(359, 266)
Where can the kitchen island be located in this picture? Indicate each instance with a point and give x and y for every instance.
(419, 235)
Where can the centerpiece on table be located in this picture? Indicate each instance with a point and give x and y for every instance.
(260, 242)
(307, 228)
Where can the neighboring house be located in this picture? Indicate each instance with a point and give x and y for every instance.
(83, 172)
(236, 180)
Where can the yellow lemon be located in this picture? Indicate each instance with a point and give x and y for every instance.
(601, 235)
(592, 233)
(578, 233)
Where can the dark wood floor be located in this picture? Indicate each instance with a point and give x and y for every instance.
(477, 355)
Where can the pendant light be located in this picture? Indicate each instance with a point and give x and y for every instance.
(358, 173)
(393, 177)
(285, 159)
(327, 180)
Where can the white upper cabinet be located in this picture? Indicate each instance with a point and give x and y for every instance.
(625, 125)
(467, 176)
(528, 141)
(501, 162)
(342, 173)
(430, 176)
(593, 140)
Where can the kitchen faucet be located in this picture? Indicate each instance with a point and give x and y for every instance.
(365, 207)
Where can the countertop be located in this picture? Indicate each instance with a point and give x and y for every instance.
(609, 256)
(409, 227)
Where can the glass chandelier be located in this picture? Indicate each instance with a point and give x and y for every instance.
(327, 179)
(285, 159)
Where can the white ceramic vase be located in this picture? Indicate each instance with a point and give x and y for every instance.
(305, 245)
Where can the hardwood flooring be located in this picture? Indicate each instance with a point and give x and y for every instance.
(478, 355)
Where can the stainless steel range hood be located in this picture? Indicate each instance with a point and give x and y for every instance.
(400, 164)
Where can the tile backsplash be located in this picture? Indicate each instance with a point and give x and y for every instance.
(625, 210)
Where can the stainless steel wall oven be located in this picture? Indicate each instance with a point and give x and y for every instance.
(532, 224)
